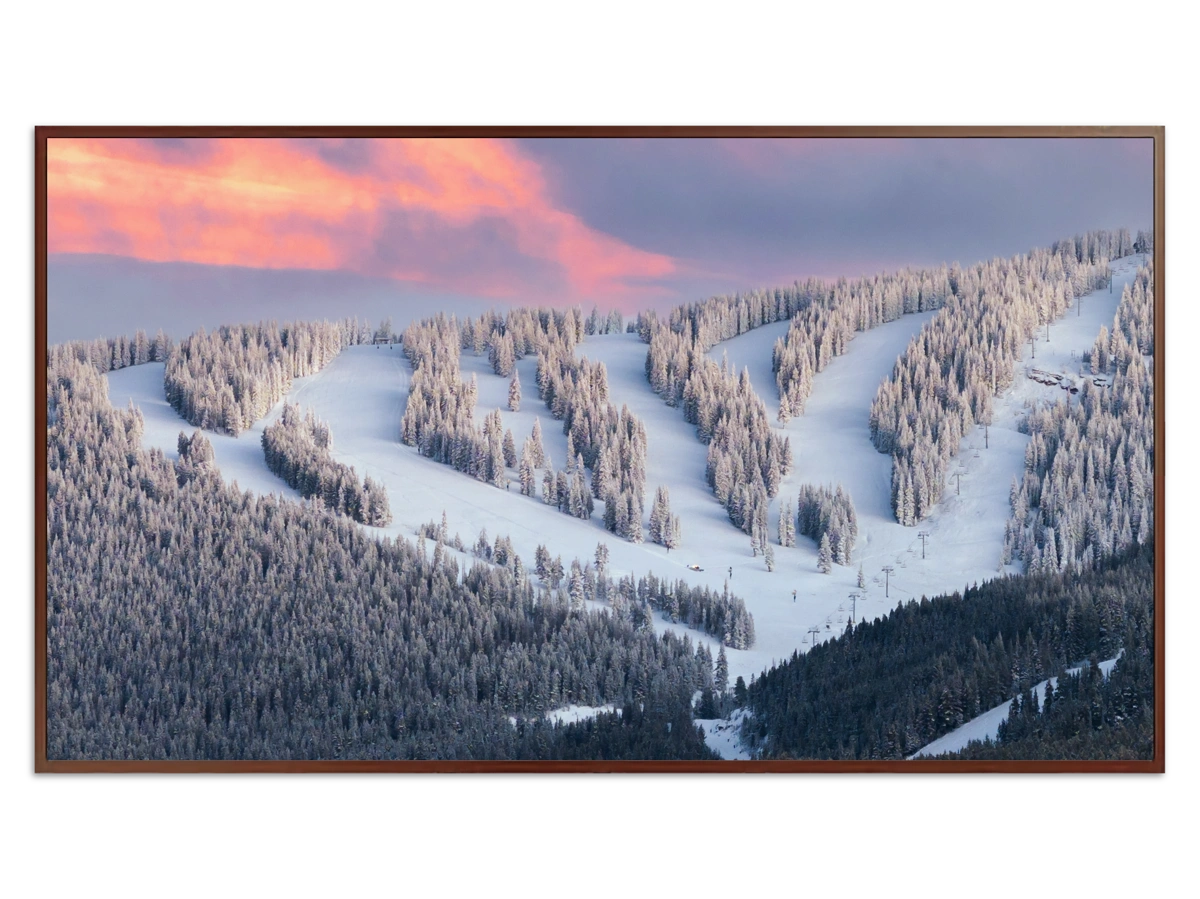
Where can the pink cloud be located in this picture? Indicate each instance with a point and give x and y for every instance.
(277, 203)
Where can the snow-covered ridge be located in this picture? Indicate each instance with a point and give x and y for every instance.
(362, 393)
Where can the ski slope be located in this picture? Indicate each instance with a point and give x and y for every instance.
(831, 445)
(240, 459)
(362, 394)
(987, 726)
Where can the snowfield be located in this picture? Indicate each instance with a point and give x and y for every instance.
(362, 395)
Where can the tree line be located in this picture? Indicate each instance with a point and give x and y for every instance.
(746, 461)
(831, 312)
(824, 318)
(229, 379)
(611, 444)
(613, 323)
(722, 615)
(945, 380)
(1133, 328)
(1088, 486)
(107, 354)
(827, 516)
(298, 449)
(1083, 715)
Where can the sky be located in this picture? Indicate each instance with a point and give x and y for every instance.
(183, 233)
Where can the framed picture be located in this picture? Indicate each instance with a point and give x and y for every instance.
(600, 449)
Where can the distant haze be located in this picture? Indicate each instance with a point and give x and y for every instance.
(104, 296)
(186, 233)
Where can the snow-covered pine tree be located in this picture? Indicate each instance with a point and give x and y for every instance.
(787, 525)
(656, 517)
(601, 558)
(502, 551)
(483, 547)
(633, 502)
(526, 474)
(825, 556)
(575, 587)
(910, 504)
(141, 347)
(674, 533)
(496, 473)
(541, 561)
(538, 448)
(660, 517)
(514, 393)
(562, 491)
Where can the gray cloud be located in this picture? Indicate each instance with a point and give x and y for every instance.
(482, 253)
(351, 156)
(757, 211)
(181, 150)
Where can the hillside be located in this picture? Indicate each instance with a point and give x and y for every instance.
(361, 395)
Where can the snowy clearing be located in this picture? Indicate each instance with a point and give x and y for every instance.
(573, 713)
(723, 735)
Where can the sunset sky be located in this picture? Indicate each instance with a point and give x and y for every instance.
(185, 230)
